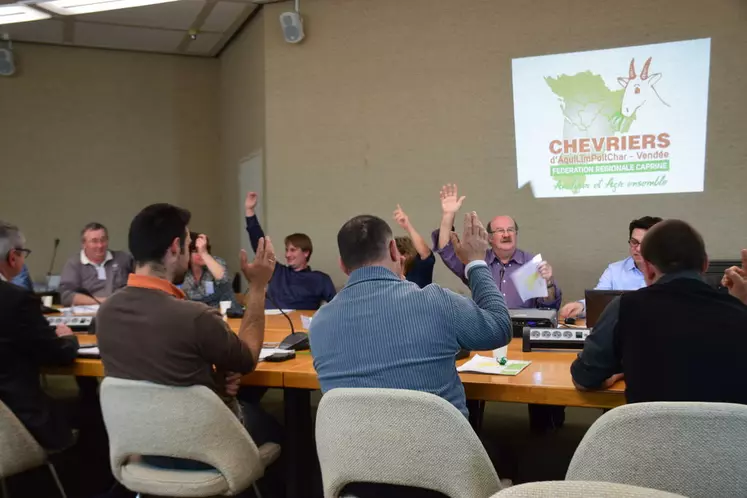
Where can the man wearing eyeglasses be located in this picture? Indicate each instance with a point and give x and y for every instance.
(503, 257)
(620, 275)
(28, 342)
(96, 270)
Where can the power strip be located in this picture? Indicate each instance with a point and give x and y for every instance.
(540, 338)
(76, 323)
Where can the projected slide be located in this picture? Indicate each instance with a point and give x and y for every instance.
(621, 121)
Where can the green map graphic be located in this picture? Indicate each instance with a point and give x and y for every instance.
(590, 110)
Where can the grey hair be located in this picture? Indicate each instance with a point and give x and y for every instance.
(10, 238)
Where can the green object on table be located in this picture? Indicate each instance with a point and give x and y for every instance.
(502, 361)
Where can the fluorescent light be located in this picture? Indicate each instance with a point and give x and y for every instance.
(13, 13)
(73, 7)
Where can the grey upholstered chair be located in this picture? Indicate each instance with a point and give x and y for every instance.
(19, 451)
(406, 438)
(193, 423)
(694, 449)
(580, 489)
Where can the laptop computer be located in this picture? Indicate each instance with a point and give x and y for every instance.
(596, 301)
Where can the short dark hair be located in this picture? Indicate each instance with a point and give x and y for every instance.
(154, 229)
(193, 242)
(673, 246)
(363, 240)
(644, 223)
(302, 241)
(91, 227)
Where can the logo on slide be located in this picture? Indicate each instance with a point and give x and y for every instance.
(583, 129)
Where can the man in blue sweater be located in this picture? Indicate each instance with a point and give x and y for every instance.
(383, 331)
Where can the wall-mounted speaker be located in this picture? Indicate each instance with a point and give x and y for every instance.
(292, 25)
(7, 65)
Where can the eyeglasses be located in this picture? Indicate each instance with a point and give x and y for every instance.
(26, 252)
(634, 243)
(502, 231)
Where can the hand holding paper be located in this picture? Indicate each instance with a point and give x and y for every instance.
(528, 281)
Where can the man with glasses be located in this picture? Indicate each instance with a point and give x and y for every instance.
(96, 271)
(620, 275)
(503, 257)
(28, 343)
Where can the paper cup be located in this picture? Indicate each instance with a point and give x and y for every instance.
(47, 301)
(224, 306)
(500, 353)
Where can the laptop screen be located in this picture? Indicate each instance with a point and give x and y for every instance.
(596, 301)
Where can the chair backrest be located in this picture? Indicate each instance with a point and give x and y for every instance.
(694, 449)
(143, 418)
(581, 489)
(19, 451)
(396, 436)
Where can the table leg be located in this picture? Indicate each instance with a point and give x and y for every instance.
(298, 449)
(476, 409)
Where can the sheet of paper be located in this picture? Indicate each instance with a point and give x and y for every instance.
(265, 352)
(528, 282)
(487, 365)
(92, 351)
(276, 312)
(88, 309)
(306, 322)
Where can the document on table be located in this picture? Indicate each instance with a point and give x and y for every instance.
(484, 364)
(528, 282)
(89, 351)
(265, 352)
(87, 309)
(276, 312)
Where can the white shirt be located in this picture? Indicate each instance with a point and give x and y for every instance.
(100, 269)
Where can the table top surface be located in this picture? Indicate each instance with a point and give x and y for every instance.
(546, 380)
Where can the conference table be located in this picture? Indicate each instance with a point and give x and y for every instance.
(546, 380)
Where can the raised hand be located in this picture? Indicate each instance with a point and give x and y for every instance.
(401, 218)
(201, 244)
(250, 203)
(259, 271)
(735, 279)
(474, 242)
(451, 203)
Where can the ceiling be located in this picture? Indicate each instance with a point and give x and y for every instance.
(163, 28)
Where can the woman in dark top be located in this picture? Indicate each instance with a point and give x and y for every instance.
(419, 259)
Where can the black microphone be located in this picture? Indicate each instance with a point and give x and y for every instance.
(54, 255)
(297, 341)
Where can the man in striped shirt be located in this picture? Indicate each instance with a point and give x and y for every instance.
(384, 332)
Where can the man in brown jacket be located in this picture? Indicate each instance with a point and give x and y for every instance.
(147, 331)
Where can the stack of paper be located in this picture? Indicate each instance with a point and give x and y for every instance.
(89, 351)
(483, 364)
(265, 352)
(271, 312)
(88, 309)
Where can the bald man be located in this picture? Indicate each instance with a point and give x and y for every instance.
(503, 257)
